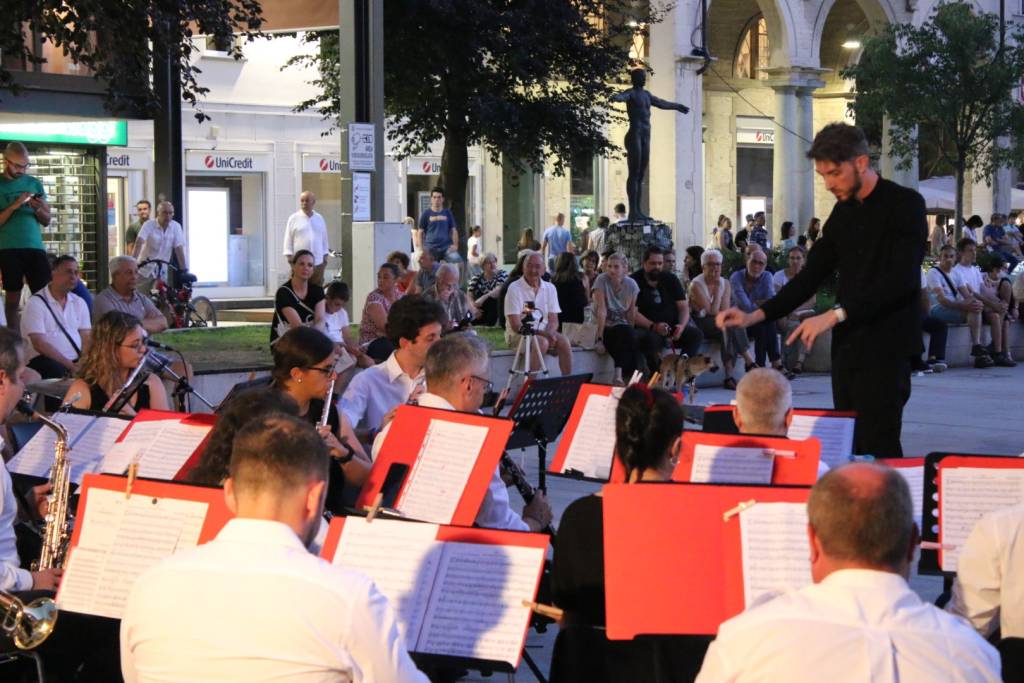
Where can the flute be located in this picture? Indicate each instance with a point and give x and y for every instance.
(327, 402)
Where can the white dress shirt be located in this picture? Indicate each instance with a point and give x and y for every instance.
(495, 511)
(12, 576)
(159, 243)
(73, 315)
(255, 605)
(544, 298)
(856, 625)
(989, 587)
(306, 232)
(375, 391)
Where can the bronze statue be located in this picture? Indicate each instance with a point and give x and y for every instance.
(638, 137)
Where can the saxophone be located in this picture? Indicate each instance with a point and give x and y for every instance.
(28, 625)
(56, 529)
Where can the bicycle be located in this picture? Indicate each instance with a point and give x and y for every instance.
(331, 253)
(177, 304)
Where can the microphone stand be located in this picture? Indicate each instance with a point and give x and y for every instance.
(182, 387)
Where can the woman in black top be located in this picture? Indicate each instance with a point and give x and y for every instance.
(485, 288)
(118, 346)
(572, 293)
(298, 302)
(648, 429)
(304, 361)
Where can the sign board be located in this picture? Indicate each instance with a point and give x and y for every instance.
(321, 163)
(361, 197)
(128, 159)
(237, 162)
(432, 166)
(110, 133)
(362, 143)
(749, 136)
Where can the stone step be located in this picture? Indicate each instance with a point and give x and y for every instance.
(246, 315)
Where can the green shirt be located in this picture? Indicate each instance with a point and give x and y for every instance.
(21, 231)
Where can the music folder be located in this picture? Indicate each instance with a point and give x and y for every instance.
(912, 471)
(679, 559)
(166, 445)
(457, 592)
(747, 459)
(587, 446)
(119, 534)
(452, 457)
(90, 436)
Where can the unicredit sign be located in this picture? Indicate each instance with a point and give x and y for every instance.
(233, 163)
(119, 160)
(330, 166)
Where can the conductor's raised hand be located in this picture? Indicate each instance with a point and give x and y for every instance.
(809, 329)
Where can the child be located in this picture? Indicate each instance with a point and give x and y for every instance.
(336, 327)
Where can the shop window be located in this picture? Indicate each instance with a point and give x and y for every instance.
(754, 52)
(582, 198)
(225, 230)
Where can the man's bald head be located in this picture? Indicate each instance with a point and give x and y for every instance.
(763, 401)
(862, 516)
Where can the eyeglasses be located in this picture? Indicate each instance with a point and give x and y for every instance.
(327, 371)
(15, 165)
(488, 384)
(138, 346)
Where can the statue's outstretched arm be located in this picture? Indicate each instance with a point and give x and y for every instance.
(665, 104)
(624, 96)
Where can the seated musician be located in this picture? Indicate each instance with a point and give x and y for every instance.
(303, 368)
(253, 604)
(413, 325)
(457, 368)
(648, 429)
(118, 346)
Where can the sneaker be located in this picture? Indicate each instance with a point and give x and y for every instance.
(983, 361)
(1003, 360)
(938, 365)
(979, 350)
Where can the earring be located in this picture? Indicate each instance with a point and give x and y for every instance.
(299, 380)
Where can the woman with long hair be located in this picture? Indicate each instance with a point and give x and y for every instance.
(527, 242)
(795, 259)
(589, 262)
(298, 301)
(725, 239)
(572, 293)
(118, 346)
(710, 294)
(614, 312)
(373, 326)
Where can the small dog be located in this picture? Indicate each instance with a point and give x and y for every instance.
(679, 370)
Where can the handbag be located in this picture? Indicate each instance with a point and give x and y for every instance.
(283, 325)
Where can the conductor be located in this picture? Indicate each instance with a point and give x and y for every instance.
(874, 239)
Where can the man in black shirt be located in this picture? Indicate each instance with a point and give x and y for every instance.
(875, 240)
(663, 313)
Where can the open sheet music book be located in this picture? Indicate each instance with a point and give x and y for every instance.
(160, 442)
(89, 438)
(457, 592)
(966, 494)
(587, 446)
(710, 458)
(834, 431)
(912, 471)
(773, 541)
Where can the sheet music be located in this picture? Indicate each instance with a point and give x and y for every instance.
(593, 444)
(36, 457)
(476, 607)
(166, 445)
(914, 476)
(93, 443)
(119, 457)
(776, 557)
(401, 558)
(442, 469)
(120, 539)
(725, 465)
(835, 434)
(968, 493)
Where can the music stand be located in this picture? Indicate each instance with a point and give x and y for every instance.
(539, 414)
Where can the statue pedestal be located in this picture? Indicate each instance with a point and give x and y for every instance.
(633, 238)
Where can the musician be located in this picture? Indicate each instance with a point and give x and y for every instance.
(648, 431)
(253, 604)
(118, 346)
(457, 371)
(764, 403)
(304, 361)
(413, 325)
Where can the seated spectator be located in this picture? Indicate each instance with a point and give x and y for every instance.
(456, 304)
(937, 331)
(711, 294)
(692, 263)
(795, 259)
(373, 326)
(426, 276)
(118, 346)
(860, 621)
(788, 232)
(751, 287)
(971, 281)
(596, 237)
(997, 288)
(485, 289)
(298, 302)
(338, 329)
(527, 243)
(517, 272)
(997, 242)
(405, 276)
(122, 296)
(572, 292)
(56, 323)
(759, 233)
(531, 288)
(615, 314)
(648, 428)
(663, 313)
(589, 262)
(953, 303)
(988, 588)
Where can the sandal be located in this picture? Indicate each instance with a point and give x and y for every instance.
(729, 384)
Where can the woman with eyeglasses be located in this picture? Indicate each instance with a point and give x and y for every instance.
(118, 346)
(710, 294)
(304, 360)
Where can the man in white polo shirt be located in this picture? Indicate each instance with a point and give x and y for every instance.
(56, 322)
(531, 288)
(159, 238)
(307, 230)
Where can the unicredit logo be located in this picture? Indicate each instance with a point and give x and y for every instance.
(208, 161)
(330, 165)
(431, 167)
(239, 163)
(323, 164)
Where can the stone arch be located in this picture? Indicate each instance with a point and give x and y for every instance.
(727, 20)
(877, 13)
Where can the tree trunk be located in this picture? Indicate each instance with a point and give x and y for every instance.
(454, 179)
(958, 225)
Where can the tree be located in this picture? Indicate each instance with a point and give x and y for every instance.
(528, 80)
(116, 40)
(952, 76)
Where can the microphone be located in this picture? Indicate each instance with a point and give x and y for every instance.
(153, 344)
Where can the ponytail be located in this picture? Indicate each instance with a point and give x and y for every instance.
(647, 421)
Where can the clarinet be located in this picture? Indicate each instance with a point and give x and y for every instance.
(513, 471)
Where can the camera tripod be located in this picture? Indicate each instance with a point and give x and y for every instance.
(528, 345)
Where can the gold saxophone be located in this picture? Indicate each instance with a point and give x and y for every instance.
(28, 625)
(56, 527)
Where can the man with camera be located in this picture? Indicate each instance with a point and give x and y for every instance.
(531, 308)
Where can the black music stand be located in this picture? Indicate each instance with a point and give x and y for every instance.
(540, 413)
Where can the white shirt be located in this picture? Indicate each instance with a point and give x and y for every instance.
(306, 232)
(334, 323)
(595, 240)
(12, 576)
(159, 243)
(375, 391)
(495, 511)
(255, 605)
(989, 588)
(74, 316)
(471, 243)
(937, 282)
(967, 275)
(856, 625)
(545, 298)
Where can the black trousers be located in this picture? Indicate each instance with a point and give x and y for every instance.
(623, 345)
(878, 394)
(766, 342)
(937, 332)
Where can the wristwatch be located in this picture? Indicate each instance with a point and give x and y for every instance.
(349, 452)
(840, 313)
